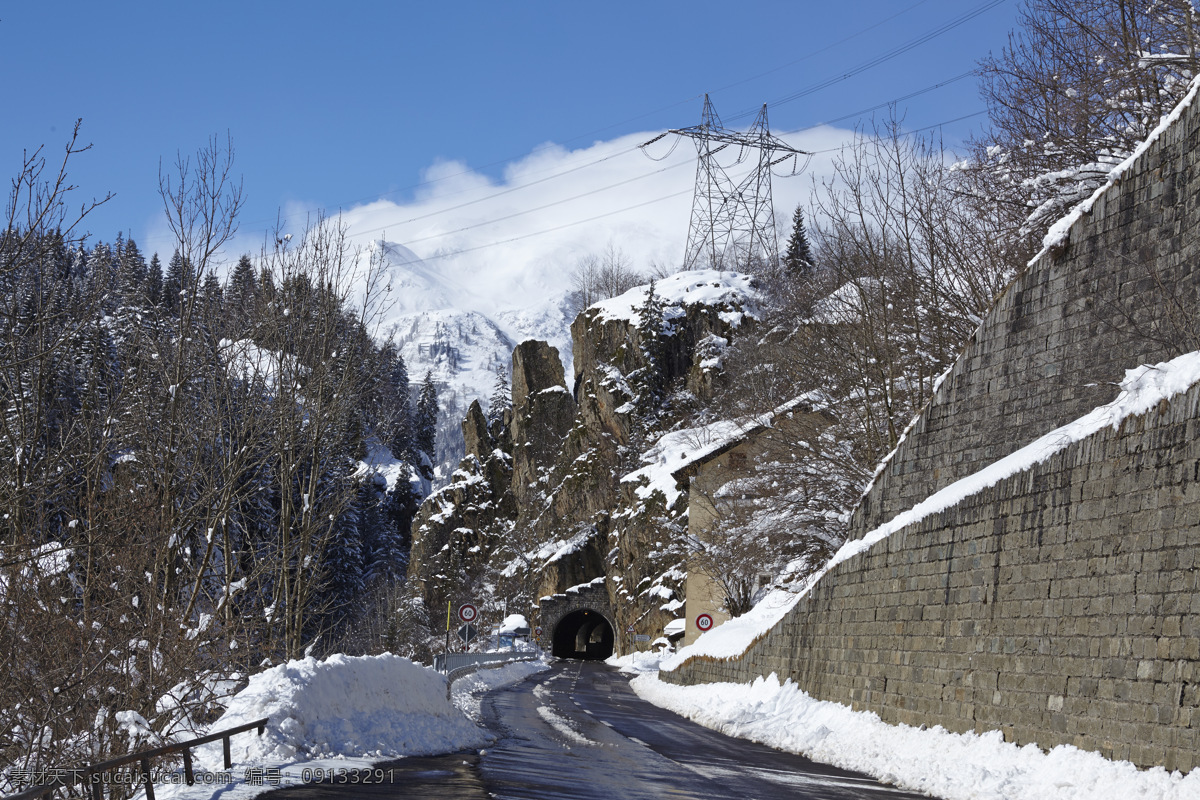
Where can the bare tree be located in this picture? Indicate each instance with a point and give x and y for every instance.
(1079, 85)
(599, 277)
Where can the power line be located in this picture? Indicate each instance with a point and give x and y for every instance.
(512, 159)
(882, 58)
(528, 210)
(511, 189)
(438, 256)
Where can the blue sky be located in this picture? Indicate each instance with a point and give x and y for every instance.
(336, 106)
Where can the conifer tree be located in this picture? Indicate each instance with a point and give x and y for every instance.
(401, 440)
(131, 272)
(154, 281)
(176, 282)
(797, 257)
(650, 380)
(500, 401)
(425, 425)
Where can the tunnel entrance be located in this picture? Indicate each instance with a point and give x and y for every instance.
(583, 635)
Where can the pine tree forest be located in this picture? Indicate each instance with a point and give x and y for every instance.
(187, 497)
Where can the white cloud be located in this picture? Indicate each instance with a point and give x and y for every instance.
(501, 244)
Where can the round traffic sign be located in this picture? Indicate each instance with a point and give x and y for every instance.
(704, 622)
(467, 612)
(537, 631)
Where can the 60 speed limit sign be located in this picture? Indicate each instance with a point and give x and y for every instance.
(704, 622)
(468, 612)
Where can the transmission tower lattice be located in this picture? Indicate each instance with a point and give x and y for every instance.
(733, 221)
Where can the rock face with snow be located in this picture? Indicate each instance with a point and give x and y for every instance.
(542, 409)
(462, 330)
(564, 518)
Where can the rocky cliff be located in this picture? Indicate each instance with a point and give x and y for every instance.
(538, 506)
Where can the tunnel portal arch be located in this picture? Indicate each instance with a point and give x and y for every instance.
(570, 623)
(584, 634)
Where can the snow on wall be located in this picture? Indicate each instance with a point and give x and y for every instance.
(1142, 390)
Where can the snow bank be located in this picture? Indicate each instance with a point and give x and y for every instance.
(948, 765)
(346, 706)
(1142, 389)
(734, 637)
(636, 663)
(708, 287)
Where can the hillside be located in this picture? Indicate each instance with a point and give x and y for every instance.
(538, 505)
(463, 328)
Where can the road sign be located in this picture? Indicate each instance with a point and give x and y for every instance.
(467, 632)
(537, 631)
(704, 622)
(467, 612)
(642, 637)
(629, 629)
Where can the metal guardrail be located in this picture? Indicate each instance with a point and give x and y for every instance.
(448, 662)
(93, 775)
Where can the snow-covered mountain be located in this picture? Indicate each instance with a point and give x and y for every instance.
(463, 327)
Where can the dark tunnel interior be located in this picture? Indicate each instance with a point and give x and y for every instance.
(583, 635)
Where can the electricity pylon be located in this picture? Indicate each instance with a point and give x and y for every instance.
(733, 221)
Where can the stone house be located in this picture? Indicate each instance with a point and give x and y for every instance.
(724, 458)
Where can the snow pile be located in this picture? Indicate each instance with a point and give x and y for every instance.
(949, 765)
(1060, 231)
(1142, 389)
(344, 706)
(732, 638)
(513, 623)
(708, 287)
(636, 663)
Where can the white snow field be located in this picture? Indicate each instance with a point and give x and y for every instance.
(955, 766)
(344, 712)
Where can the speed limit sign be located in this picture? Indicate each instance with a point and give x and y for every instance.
(704, 622)
(468, 612)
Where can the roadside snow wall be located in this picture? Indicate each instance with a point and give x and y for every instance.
(1062, 604)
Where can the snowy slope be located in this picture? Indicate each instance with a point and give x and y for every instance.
(463, 326)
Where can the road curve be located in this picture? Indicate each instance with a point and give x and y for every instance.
(578, 732)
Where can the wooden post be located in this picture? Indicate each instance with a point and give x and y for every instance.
(149, 779)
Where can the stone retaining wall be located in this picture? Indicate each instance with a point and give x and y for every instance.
(1064, 332)
(1061, 606)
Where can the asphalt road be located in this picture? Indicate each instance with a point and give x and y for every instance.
(578, 732)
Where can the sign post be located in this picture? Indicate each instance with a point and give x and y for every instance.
(704, 622)
(467, 613)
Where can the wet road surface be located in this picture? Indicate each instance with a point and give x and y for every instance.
(578, 732)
